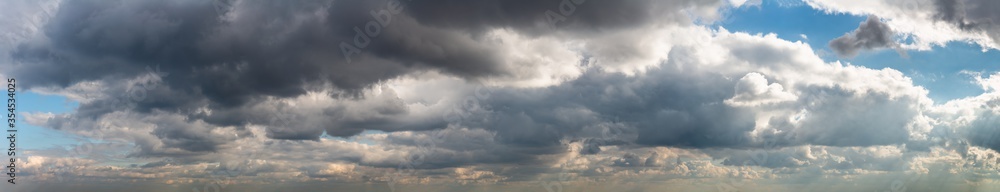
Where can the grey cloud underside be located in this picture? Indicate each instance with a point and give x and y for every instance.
(253, 50)
(971, 15)
(237, 67)
(278, 49)
(686, 108)
(968, 14)
(528, 15)
(871, 34)
(661, 107)
(232, 60)
(983, 130)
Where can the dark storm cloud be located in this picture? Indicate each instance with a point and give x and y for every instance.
(261, 84)
(249, 51)
(971, 15)
(951, 11)
(271, 48)
(529, 15)
(871, 34)
(227, 61)
(228, 70)
(968, 14)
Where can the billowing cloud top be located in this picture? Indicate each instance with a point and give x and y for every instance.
(387, 95)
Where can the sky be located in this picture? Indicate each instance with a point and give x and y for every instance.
(504, 95)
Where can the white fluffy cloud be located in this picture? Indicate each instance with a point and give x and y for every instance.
(753, 90)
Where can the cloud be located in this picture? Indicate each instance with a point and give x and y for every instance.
(930, 22)
(464, 90)
(753, 89)
(871, 34)
(690, 101)
(971, 119)
(693, 98)
(969, 14)
(224, 67)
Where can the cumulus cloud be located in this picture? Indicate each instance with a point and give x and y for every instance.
(685, 101)
(971, 119)
(753, 89)
(261, 92)
(217, 65)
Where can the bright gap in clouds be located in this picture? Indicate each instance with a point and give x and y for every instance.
(36, 137)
